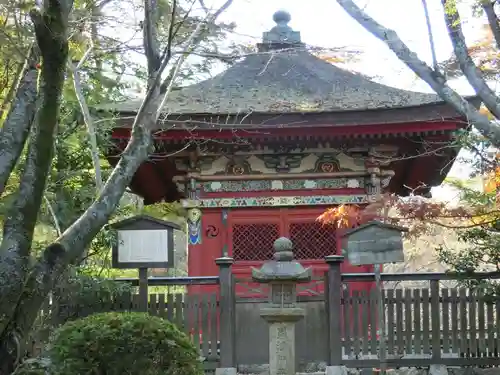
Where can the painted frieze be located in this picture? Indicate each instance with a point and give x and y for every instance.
(272, 164)
(280, 201)
(277, 185)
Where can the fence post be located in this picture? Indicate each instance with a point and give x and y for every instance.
(333, 308)
(436, 323)
(227, 317)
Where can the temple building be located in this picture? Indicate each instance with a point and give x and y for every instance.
(262, 149)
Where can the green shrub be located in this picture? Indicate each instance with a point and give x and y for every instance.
(120, 344)
(34, 366)
(83, 294)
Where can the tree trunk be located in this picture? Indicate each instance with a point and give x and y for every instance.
(489, 10)
(8, 359)
(467, 65)
(17, 125)
(51, 34)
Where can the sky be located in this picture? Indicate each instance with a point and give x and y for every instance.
(323, 23)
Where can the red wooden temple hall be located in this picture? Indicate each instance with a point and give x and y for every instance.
(262, 149)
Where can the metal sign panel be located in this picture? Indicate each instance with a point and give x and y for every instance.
(374, 245)
(143, 242)
(143, 246)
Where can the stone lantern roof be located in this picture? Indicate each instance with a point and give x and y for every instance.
(283, 77)
(283, 268)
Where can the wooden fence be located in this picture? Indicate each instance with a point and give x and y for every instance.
(196, 315)
(429, 325)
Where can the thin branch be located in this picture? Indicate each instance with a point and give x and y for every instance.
(12, 90)
(191, 43)
(151, 47)
(489, 10)
(435, 80)
(467, 65)
(87, 118)
(53, 214)
(431, 35)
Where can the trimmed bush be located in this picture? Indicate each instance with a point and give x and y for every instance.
(83, 293)
(34, 366)
(120, 344)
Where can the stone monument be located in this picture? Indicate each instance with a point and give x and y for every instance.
(282, 274)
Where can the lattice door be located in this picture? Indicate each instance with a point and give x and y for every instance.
(254, 242)
(312, 240)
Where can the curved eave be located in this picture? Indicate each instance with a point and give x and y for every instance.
(424, 112)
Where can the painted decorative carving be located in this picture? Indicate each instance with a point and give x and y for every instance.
(385, 182)
(238, 167)
(275, 163)
(354, 183)
(181, 164)
(212, 165)
(276, 185)
(282, 163)
(269, 185)
(315, 200)
(212, 231)
(194, 226)
(329, 163)
(348, 163)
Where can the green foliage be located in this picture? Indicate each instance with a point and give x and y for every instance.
(121, 344)
(34, 366)
(479, 233)
(87, 293)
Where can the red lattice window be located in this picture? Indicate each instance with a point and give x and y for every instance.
(313, 240)
(254, 241)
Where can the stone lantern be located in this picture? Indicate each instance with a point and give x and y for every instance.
(282, 274)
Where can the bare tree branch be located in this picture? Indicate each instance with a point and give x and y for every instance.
(489, 10)
(208, 20)
(53, 214)
(467, 65)
(87, 118)
(151, 47)
(431, 35)
(434, 79)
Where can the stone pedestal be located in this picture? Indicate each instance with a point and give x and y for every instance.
(282, 338)
(282, 348)
(336, 370)
(226, 371)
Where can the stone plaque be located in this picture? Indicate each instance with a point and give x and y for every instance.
(374, 243)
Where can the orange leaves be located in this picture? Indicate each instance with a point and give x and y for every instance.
(485, 111)
(492, 181)
(343, 216)
(414, 212)
(331, 59)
